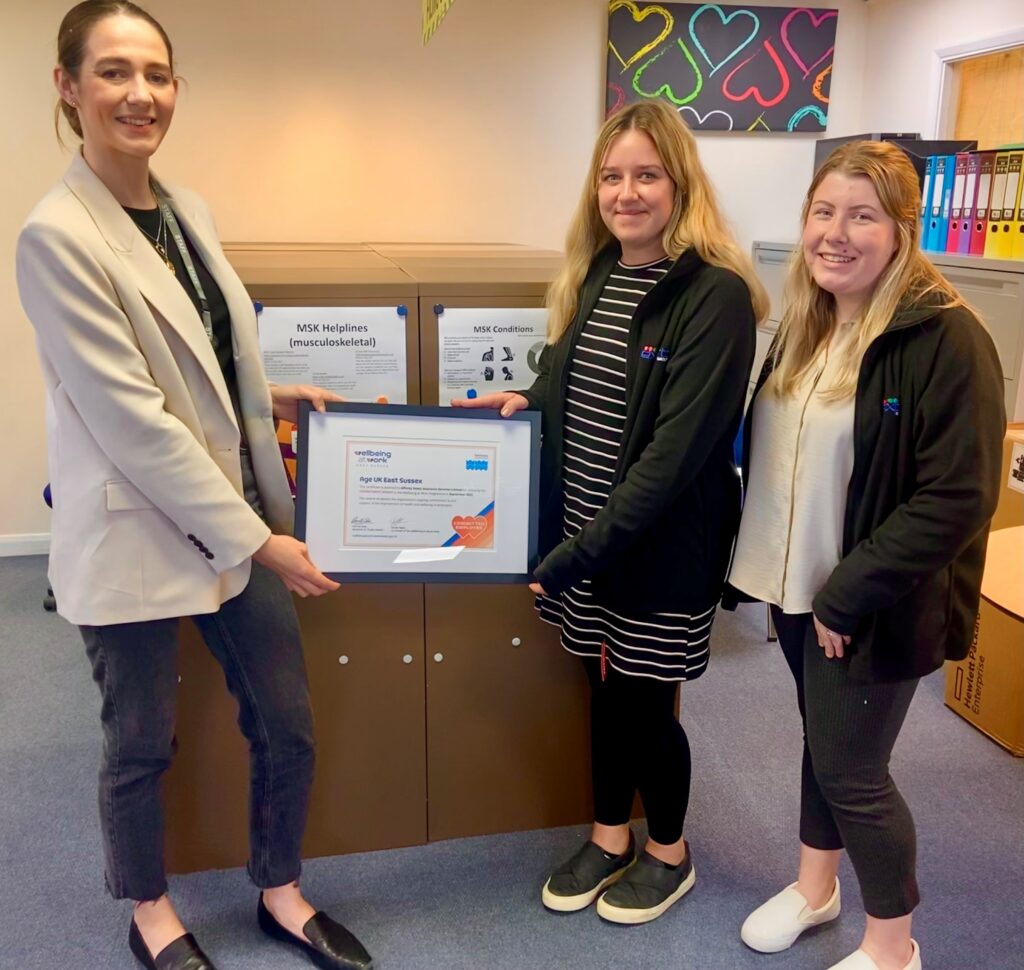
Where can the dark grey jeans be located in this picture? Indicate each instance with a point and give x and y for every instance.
(848, 798)
(255, 639)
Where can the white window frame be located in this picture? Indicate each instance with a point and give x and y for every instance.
(944, 77)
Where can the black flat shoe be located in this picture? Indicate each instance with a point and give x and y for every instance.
(330, 946)
(182, 954)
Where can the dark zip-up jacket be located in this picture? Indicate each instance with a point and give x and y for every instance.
(662, 541)
(929, 422)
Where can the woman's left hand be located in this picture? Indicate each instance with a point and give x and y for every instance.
(830, 641)
(538, 589)
(286, 399)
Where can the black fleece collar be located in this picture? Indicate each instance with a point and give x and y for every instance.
(606, 259)
(915, 309)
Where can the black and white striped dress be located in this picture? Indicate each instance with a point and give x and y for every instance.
(666, 646)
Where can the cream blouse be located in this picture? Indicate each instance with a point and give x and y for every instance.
(801, 459)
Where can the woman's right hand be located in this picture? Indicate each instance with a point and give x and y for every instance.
(508, 402)
(289, 558)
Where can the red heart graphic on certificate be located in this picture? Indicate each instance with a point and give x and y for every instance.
(469, 526)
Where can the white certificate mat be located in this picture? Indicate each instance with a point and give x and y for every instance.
(389, 493)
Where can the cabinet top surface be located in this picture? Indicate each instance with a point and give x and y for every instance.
(445, 264)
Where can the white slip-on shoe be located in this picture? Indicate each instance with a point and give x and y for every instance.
(776, 924)
(859, 960)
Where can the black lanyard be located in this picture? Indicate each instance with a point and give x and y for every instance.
(179, 241)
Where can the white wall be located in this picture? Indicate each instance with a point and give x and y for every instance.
(328, 120)
(901, 66)
(762, 177)
(321, 120)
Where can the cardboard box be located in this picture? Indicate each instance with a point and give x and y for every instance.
(1010, 511)
(987, 688)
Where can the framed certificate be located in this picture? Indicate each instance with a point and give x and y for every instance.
(393, 493)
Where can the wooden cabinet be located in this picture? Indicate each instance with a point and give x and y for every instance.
(364, 655)
(440, 711)
(507, 721)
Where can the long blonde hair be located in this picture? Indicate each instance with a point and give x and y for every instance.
(809, 315)
(695, 220)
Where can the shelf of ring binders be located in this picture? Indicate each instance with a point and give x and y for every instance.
(972, 205)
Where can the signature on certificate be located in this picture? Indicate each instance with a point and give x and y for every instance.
(397, 523)
(360, 520)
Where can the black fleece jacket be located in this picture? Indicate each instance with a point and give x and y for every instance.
(927, 445)
(662, 541)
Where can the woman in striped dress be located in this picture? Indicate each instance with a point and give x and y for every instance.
(642, 382)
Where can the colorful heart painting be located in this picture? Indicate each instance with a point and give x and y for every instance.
(661, 24)
(725, 67)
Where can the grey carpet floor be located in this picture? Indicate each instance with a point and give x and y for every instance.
(473, 904)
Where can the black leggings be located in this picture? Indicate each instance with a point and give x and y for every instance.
(848, 798)
(637, 743)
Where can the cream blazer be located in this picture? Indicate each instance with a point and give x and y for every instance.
(148, 516)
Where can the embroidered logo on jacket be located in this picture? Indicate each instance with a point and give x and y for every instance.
(650, 352)
(891, 405)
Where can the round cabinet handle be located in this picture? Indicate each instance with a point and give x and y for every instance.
(343, 660)
(407, 659)
(516, 641)
(438, 657)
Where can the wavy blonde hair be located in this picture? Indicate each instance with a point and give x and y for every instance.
(696, 220)
(809, 316)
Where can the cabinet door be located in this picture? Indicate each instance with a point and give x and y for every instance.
(205, 793)
(999, 298)
(770, 264)
(364, 654)
(507, 719)
(364, 651)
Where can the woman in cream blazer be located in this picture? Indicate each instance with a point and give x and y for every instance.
(169, 495)
(148, 516)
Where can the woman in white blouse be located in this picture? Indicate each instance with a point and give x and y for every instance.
(872, 456)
